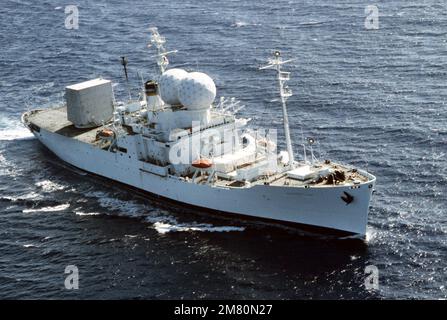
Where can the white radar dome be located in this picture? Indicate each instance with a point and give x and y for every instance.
(169, 83)
(196, 91)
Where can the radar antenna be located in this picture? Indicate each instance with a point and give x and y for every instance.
(285, 93)
(159, 41)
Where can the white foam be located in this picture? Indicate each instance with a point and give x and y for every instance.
(48, 209)
(80, 213)
(49, 186)
(29, 245)
(27, 196)
(239, 24)
(13, 130)
(311, 23)
(370, 234)
(126, 208)
(160, 219)
(15, 134)
(8, 168)
(163, 228)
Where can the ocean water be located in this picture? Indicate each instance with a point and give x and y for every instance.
(376, 99)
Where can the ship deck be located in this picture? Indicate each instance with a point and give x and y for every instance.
(352, 178)
(55, 120)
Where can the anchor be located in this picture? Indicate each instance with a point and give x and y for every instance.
(347, 198)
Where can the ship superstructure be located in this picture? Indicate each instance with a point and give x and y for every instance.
(178, 143)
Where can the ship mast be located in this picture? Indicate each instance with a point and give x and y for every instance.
(285, 93)
(161, 56)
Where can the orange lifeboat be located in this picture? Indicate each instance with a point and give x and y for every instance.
(105, 133)
(202, 163)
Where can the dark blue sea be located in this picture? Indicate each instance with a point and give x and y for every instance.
(373, 98)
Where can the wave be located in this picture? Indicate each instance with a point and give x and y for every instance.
(121, 207)
(80, 213)
(371, 235)
(311, 23)
(16, 134)
(13, 130)
(30, 245)
(164, 228)
(161, 220)
(48, 209)
(22, 198)
(49, 186)
(239, 24)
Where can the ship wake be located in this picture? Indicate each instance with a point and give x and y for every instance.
(13, 130)
(160, 220)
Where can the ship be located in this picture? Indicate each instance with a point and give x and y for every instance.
(178, 143)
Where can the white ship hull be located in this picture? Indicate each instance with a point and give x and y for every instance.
(317, 207)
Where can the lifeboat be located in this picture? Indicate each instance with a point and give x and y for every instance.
(202, 163)
(105, 133)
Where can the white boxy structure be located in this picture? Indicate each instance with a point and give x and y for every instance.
(89, 103)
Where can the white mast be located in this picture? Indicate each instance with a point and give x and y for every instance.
(285, 93)
(159, 41)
